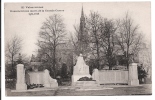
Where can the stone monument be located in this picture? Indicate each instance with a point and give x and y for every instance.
(133, 75)
(48, 81)
(20, 85)
(80, 70)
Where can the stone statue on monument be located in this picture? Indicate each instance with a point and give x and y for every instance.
(81, 67)
(80, 70)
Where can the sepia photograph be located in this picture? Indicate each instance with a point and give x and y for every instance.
(77, 49)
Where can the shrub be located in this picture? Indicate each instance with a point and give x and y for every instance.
(86, 79)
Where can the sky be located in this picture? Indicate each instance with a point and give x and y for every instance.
(28, 26)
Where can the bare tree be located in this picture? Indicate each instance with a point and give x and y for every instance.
(128, 38)
(108, 29)
(51, 34)
(145, 55)
(13, 47)
(25, 59)
(93, 24)
(80, 43)
(74, 39)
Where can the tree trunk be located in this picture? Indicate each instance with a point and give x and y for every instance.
(110, 65)
(109, 53)
(98, 57)
(127, 63)
(12, 65)
(54, 66)
(53, 62)
(127, 56)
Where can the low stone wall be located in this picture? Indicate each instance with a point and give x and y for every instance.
(129, 77)
(113, 76)
(36, 77)
(41, 77)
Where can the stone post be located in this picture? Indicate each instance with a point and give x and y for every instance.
(95, 75)
(133, 75)
(46, 78)
(20, 85)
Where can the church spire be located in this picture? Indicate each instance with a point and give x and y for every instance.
(82, 14)
(82, 36)
(82, 19)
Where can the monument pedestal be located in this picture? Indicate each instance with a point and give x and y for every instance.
(21, 87)
(75, 78)
(86, 84)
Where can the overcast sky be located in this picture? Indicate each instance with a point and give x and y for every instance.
(28, 27)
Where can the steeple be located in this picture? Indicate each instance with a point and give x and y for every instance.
(82, 14)
(82, 25)
(82, 36)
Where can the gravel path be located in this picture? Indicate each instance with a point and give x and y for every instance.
(72, 91)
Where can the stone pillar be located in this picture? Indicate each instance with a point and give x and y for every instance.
(95, 75)
(46, 78)
(20, 85)
(133, 75)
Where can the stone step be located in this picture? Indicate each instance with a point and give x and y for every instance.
(86, 83)
(91, 88)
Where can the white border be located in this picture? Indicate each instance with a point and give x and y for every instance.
(51, 97)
